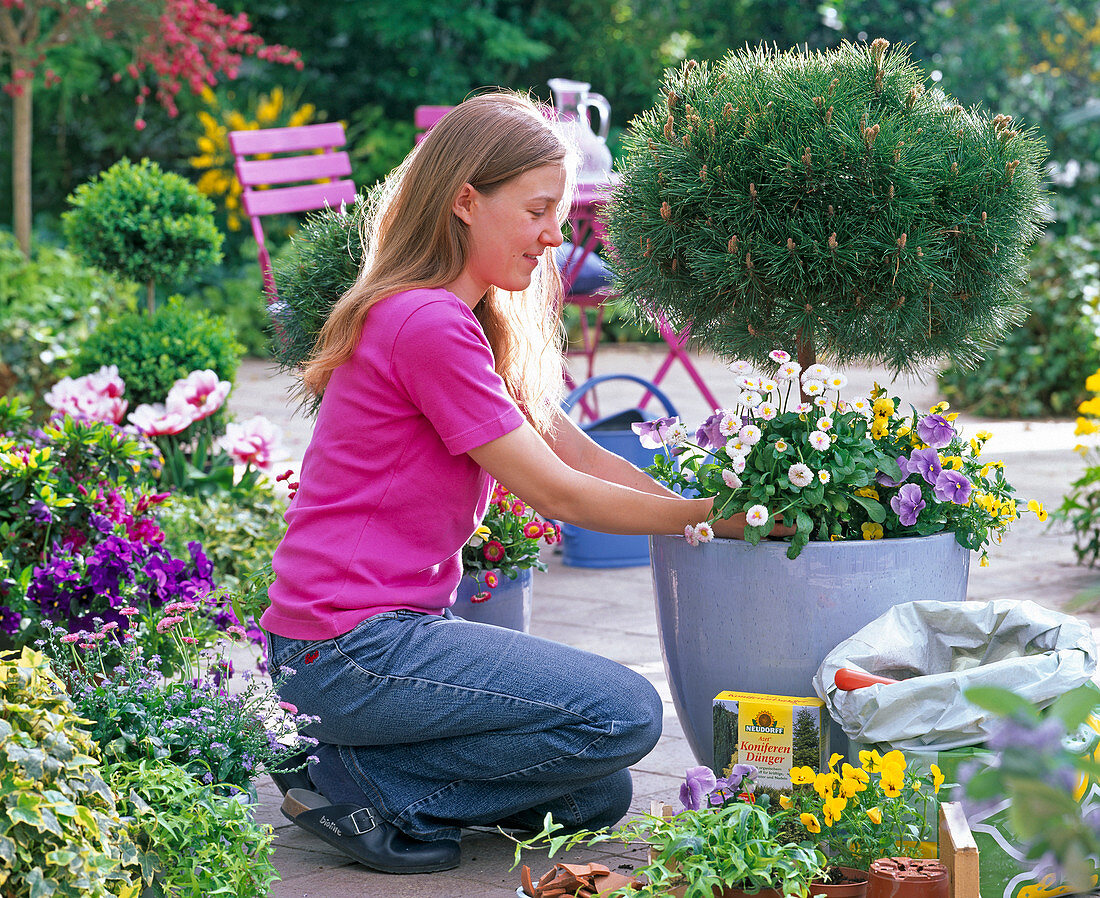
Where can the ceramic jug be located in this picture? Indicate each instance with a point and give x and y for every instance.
(572, 100)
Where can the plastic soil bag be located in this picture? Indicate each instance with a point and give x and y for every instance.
(938, 650)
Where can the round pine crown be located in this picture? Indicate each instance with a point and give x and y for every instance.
(828, 201)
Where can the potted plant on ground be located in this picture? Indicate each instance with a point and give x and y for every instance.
(829, 204)
(498, 563)
(720, 846)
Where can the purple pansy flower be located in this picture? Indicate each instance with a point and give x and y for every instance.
(951, 486)
(936, 431)
(925, 462)
(40, 512)
(908, 504)
(709, 436)
(885, 480)
(697, 785)
(652, 434)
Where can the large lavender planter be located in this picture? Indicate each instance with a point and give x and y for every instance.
(747, 618)
(510, 605)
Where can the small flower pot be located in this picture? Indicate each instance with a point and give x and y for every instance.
(905, 877)
(508, 605)
(851, 883)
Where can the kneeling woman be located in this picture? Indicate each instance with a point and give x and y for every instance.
(441, 372)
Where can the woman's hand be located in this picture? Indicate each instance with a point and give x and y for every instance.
(734, 527)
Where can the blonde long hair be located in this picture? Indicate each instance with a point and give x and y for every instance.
(413, 239)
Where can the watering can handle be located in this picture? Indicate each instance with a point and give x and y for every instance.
(574, 397)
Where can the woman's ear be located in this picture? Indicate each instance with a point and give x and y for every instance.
(463, 205)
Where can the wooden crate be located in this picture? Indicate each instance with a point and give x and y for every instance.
(958, 851)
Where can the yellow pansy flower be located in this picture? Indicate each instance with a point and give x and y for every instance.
(1090, 407)
(857, 775)
(880, 428)
(874, 815)
(952, 416)
(940, 406)
(893, 760)
(848, 787)
(892, 782)
(836, 756)
(1037, 507)
(823, 784)
(800, 776)
(810, 822)
(870, 760)
(937, 777)
(884, 406)
(869, 491)
(871, 530)
(1085, 427)
(952, 461)
(1092, 384)
(983, 561)
(1008, 510)
(832, 809)
(784, 801)
(983, 435)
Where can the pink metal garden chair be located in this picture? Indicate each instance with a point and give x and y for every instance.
(287, 170)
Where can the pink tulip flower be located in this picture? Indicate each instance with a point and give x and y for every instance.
(252, 443)
(200, 394)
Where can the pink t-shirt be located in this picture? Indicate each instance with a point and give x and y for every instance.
(388, 495)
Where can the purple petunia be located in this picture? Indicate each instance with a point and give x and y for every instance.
(936, 431)
(908, 504)
(652, 434)
(697, 785)
(925, 462)
(951, 486)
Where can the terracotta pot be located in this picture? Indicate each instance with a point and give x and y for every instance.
(906, 877)
(852, 883)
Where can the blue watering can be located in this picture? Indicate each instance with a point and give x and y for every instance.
(587, 548)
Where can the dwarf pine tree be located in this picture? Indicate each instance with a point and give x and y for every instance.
(829, 203)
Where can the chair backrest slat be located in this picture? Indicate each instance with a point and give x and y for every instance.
(331, 167)
(302, 198)
(427, 117)
(288, 169)
(287, 140)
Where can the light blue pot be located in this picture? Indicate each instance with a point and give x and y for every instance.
(509, 606)
(731, 616)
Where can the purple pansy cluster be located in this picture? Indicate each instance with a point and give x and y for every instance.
(947, 485)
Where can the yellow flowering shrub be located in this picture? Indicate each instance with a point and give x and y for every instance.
(1081, 505)
(214, 158)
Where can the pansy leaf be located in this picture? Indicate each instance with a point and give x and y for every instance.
(1074, 707)
(875, 511)
(1002, 702)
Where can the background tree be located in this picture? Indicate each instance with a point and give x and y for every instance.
(806, 750)
(166, 44)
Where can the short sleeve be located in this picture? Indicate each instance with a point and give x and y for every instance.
(443, 361)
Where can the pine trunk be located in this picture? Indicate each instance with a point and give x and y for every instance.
(807, 355)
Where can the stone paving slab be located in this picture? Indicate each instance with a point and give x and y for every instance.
(611, 611)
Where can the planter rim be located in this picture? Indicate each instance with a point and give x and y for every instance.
(817, 545)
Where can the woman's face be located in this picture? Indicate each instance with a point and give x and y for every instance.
(509, 230)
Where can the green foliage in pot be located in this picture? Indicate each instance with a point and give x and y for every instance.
(60, 831)
(49, 304)
(192, 839)
(152, 352)
(738, 846)
(1038, 367)
(143, 224)
(828, 201)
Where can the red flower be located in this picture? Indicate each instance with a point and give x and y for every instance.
(493, 551)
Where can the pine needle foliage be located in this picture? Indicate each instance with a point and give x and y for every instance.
(323, 263)
(828, 201)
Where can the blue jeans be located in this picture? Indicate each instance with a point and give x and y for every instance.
(446, 723)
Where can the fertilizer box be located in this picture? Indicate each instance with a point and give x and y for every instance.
(772, 732)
